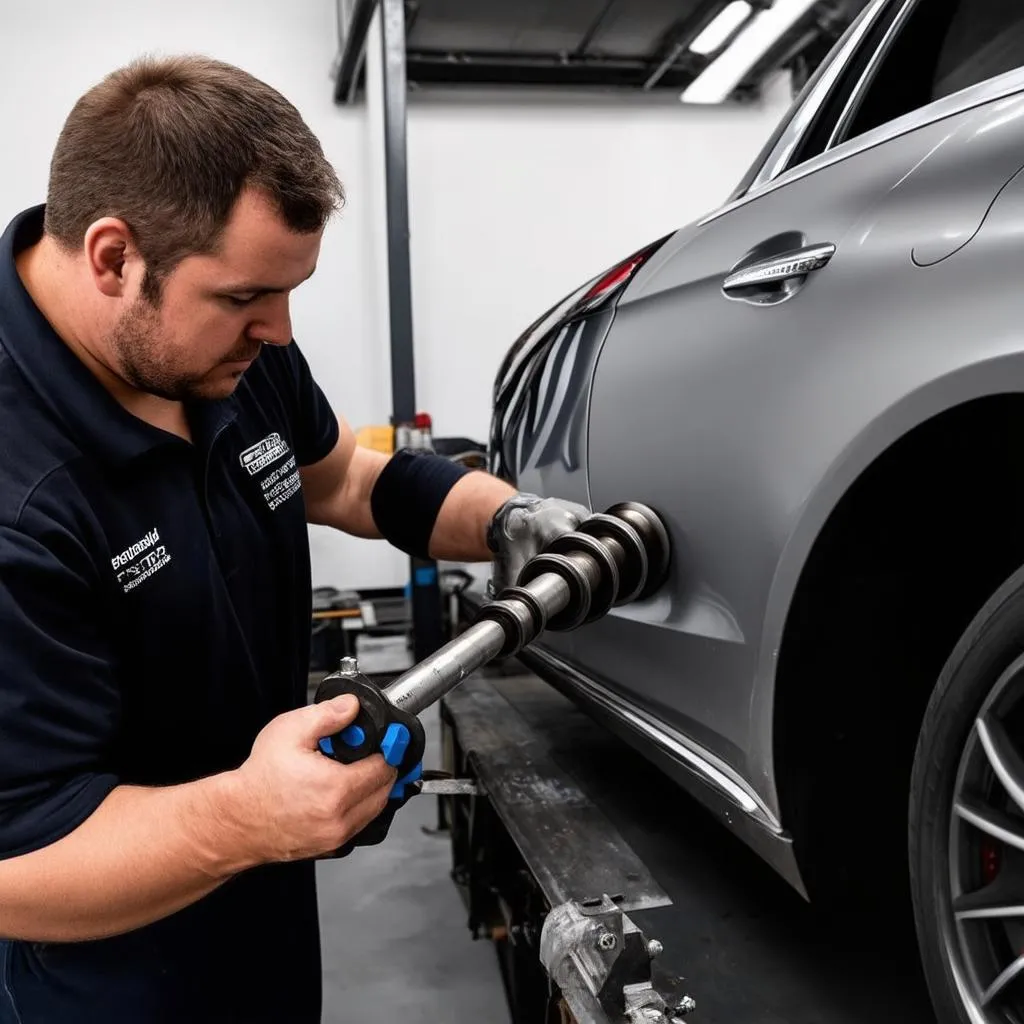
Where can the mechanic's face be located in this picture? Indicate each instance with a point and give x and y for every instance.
(217, 311)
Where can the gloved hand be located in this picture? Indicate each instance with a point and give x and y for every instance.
(523, 527)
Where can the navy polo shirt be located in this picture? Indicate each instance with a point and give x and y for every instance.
(154, 615)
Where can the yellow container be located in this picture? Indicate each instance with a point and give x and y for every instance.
(379, 438)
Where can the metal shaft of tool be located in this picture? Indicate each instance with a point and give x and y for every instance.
(443, 670)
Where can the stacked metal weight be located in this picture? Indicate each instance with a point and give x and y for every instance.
(613, 558)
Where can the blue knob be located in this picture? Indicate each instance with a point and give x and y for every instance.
(398, 790)
(327, 746)
(353, 736)
(395, 744)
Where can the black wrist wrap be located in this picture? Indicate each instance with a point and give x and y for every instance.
(408, 496)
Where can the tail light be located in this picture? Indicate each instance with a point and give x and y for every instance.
(589, 298)
(526, 354)
(611, 283)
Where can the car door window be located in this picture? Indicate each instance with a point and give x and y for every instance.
(806, 129)
(942, 47)
(984, 40)
(912, 53)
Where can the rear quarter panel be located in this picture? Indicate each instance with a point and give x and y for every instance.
(745, 437)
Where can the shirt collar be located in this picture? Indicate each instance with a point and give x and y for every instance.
(63, 382)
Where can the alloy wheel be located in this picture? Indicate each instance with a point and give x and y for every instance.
(983, 922)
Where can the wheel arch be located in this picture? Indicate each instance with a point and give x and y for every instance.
(911, 531)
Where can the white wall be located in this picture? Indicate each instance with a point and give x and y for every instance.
(513, 202)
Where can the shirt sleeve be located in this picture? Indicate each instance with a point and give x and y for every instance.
(59, 703)
(314, 422)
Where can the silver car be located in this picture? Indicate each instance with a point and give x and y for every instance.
(820, 386)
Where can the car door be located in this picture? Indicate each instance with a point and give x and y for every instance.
(724, 315)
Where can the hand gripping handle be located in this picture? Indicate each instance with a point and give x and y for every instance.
(379, 728)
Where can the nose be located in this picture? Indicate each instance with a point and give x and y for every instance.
(274, 324)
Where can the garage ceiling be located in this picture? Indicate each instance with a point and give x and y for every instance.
(572, 42)
(633, 45)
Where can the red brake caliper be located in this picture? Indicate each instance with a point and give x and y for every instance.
(991, 859)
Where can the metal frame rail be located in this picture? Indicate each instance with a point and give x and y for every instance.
(544, 873)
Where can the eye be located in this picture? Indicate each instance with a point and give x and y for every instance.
(240, 300)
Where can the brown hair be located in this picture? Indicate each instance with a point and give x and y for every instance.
(168, 144)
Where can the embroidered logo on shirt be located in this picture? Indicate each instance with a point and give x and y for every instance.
(281, 484)
(262, 454)
(140, 560)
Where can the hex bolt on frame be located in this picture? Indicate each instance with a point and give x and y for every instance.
(601, 962)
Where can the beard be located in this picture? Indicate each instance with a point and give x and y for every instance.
(146, 358)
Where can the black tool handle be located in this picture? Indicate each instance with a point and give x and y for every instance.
(379, 728)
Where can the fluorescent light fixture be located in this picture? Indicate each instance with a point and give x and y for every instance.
(717, 81)
(722, 27)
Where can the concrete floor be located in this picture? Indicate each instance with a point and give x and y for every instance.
(395, 942)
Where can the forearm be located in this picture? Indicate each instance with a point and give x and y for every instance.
(141, 856)
(339, 491)
(460, 531)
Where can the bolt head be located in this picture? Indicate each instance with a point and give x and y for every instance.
(686, 1005)
(349, 666)
(606, 941)
(654, 948)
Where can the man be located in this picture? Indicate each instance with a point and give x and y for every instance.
(162, 798)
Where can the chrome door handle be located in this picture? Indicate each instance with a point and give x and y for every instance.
(796, 263)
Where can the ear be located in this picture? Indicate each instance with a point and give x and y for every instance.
(112, 256)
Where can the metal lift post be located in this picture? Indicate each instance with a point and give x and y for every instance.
(426, 591)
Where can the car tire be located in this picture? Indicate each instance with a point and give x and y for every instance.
(976, 670)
